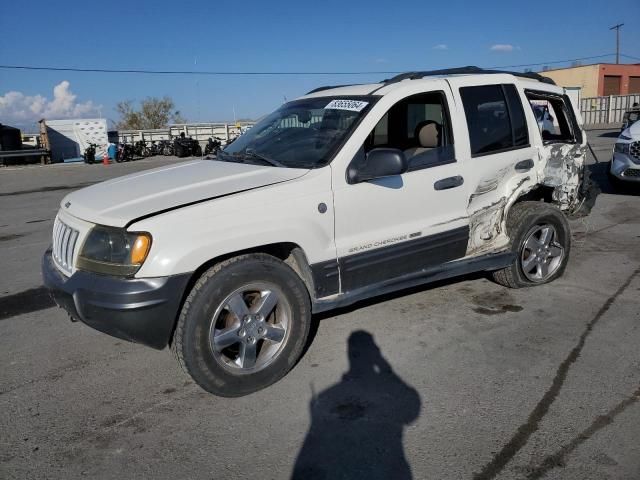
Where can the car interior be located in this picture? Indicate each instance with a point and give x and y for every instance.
(419, 126)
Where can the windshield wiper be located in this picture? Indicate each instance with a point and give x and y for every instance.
(228, 157)
(250, 153)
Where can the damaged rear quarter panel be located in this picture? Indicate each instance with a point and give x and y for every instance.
(563, 171)
(487, 209)
(558, 166)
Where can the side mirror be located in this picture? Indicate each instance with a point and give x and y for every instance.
(379, 163)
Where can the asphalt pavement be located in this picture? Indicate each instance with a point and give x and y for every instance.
(460, 380)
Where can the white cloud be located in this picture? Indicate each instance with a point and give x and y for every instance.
(441, 46)
(16, 107)
(381, 60)
(503, 47)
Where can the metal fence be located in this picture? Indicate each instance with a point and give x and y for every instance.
(603, 110)
(197, 131)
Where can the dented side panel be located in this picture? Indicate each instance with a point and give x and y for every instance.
(558, 166)
(487, 214)
(563, 171)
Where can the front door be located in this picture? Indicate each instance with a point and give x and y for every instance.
(390, 227)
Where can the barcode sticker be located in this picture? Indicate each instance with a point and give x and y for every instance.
(352, 105)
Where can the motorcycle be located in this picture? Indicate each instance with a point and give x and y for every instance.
(141, 149)
(167, 148)
(212, 146)
(90, 154)
(125, 152)
(155, 148)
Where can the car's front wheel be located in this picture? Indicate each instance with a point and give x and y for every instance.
(243, 326)
(540, 240)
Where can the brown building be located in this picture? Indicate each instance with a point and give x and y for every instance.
(600, 79)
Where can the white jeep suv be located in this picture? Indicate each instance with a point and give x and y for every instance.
(345, 193)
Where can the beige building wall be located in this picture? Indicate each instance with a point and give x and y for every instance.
(585, 77)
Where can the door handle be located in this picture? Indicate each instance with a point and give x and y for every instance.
(524, 165)
(449, 182)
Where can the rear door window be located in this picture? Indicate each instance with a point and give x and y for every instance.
(495, 118)
(555, 121)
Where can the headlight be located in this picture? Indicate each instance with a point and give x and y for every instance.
(114, 251)
(621, 147)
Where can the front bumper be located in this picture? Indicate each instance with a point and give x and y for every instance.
(141, 310)
(624, 168)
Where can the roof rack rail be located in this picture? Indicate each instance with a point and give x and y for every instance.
(329, 87)
(465, 71)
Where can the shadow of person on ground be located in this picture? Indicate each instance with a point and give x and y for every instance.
(357, 424)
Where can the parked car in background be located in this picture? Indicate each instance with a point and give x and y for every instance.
(343, 194)
(625, 162)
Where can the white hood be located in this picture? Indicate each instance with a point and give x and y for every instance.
(119, 201)
(633, 131)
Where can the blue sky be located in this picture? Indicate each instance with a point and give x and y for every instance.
(277, 36)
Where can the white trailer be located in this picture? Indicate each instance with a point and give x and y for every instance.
(69, 138)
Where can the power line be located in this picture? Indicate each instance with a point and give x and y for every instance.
(629, 56)
(180, 72)
(555, 61)
(256, 73)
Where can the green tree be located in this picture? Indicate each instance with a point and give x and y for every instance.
(154, 113)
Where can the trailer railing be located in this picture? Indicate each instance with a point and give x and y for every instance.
(198, 131)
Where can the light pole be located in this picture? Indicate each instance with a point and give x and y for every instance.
(617, 29)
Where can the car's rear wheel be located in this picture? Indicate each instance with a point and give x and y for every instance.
(243, 326)
(541, 242)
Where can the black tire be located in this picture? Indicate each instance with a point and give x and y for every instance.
(180, 151)
(192, 343)
(522, 220)
(197, 151)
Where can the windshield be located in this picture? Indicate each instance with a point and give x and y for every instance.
(300, 134)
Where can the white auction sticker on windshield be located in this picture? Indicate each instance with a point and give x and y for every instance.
(352, 105)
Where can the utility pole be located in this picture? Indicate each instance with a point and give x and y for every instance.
(617, 29)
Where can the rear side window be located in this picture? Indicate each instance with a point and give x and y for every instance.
(556, 121)
(495, 118)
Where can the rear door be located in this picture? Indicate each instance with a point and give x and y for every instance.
(498, 159)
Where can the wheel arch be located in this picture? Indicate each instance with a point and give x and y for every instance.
(539, 193)
(288, 252)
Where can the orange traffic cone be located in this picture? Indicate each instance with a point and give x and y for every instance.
(105, 159)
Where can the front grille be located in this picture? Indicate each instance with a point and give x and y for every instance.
(634, 150)
(64, 245)
(631, 172)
